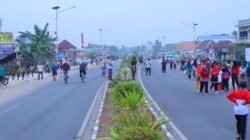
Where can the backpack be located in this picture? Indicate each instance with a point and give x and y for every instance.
(225, 75)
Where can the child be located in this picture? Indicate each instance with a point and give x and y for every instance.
(240, 98)
(220, 88)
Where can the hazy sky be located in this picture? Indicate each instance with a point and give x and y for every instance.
(128, 22)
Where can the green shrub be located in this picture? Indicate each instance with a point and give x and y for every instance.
(136, 133)
(127, 87)
(128, 101)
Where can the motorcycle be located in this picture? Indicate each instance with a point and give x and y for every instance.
(5, 80)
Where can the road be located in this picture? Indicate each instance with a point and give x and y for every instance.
(47, 110)
(199, 117)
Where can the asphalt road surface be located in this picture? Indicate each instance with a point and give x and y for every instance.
(47, 110)
(199, 117)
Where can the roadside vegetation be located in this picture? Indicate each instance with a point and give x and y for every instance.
(127, 115)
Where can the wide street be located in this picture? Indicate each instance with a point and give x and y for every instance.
(199, 117)
(47, 110)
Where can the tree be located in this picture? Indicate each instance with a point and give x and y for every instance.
(235, 34)
(113, 50)
(156, 47)
(237, 52)
(41, 44)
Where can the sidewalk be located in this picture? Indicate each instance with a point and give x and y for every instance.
(35, 77)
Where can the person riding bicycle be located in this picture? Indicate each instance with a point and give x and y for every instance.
(83, 68)
(65, 67)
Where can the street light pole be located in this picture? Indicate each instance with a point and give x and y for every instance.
(56, 8)
(194, 43)
(100, 30)
(164, 43)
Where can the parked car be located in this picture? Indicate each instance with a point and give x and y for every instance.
(86, 59)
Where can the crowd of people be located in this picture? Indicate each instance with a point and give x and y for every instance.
(218, 75)
(212, 75)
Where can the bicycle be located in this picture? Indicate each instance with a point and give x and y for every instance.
(83, 77)
(104, 73)
(4, 80)
(66, 76)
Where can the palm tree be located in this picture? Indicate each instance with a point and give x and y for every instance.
(41, 44)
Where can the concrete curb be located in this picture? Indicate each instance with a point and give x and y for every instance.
(170, 129)
(88, 116)
(97, 122)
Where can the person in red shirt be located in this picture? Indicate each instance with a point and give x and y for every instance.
(214, 77)
(235, 73)
(204, 77)
(240, 98)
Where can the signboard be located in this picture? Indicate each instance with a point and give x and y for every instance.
(7, 48)
(6, 38)
(247, 53)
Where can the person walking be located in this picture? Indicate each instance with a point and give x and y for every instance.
(198, 77)
(171, 63)
(110, 67)
(204, 79)
(133, 67)
(235, 74)
(225, 76)
(240, 98)
(163, 66)
(220, 87)
(54, 68)
(189, 69)
(40, 68)
(148, 67)
(214, 78)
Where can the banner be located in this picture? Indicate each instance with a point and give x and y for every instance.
(6, 38)
(6, 48)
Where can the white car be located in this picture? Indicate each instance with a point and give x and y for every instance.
(86, 59)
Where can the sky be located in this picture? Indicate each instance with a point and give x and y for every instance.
(125, 22)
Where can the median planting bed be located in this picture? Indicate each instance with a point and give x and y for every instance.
(126, 115)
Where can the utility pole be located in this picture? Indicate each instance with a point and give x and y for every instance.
(194, 43)
(164, 45)
(100, 30)
(56, 8)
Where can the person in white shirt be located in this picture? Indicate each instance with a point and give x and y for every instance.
(148, 67)
(241, 99)
(220, 88)
(40, 71)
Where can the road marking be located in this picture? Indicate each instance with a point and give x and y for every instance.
(171, 124)
(85, 121)
(8, 109)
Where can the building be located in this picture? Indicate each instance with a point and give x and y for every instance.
(187, 48)
(214, 46)
(244, 30)
(243, 34)
(65, 48)
(216, 38)
(214, 50)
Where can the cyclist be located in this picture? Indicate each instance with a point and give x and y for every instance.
(104, 68)
(83, 68)
(65, 67)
